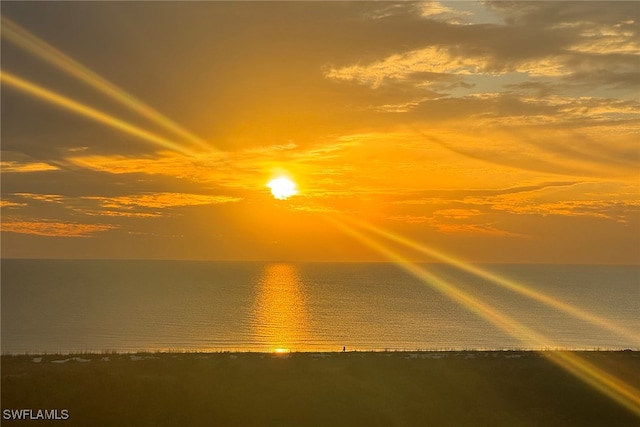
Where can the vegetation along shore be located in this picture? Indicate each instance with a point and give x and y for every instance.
(443, 388)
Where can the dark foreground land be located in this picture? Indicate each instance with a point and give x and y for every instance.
(499, 388)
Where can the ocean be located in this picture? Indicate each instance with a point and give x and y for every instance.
(131, 305)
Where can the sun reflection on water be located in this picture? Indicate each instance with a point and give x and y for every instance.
(281, 319)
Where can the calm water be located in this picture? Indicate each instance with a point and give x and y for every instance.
(64, 306)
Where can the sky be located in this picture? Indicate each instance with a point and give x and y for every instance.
(494, 131)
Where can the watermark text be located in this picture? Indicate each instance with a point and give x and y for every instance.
(35, 414)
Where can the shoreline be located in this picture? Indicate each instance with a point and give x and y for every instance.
(280, 352)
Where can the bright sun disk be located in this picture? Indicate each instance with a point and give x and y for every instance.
(282, 188)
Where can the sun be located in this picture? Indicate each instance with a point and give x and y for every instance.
(282, 188)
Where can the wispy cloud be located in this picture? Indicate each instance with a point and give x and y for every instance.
(22, 167)
(457, 213)
(151, 205)
(52, 198)
(473, 229)
(161, 200)
(53, 228)
(10, 204)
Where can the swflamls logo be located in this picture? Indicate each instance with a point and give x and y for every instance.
(35, 414)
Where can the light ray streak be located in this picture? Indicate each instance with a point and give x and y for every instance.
(83, 110)
(501, 281)
(38, 47)
(609, 385)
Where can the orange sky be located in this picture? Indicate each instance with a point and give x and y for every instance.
(497, 132)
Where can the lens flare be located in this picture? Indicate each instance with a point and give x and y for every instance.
(83, 110)
(500, 281)
(38, 47)
(611, 386)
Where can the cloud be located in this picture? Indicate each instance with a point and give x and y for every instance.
(517, 212)
(410, 219)
(22, 167)
(52, 198)
(9, 204)
(436, 10)
(619, 211)
(118, 213)
(584, 137)
(585, 59)
(162, 163)
(474, 229)
(552, 14)
(53, 228)
(457, 213)
(577, 200)
(451, 224)
(161, 200)
(129, 206)
(232, 174)
(433, 60)
(581, 47)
